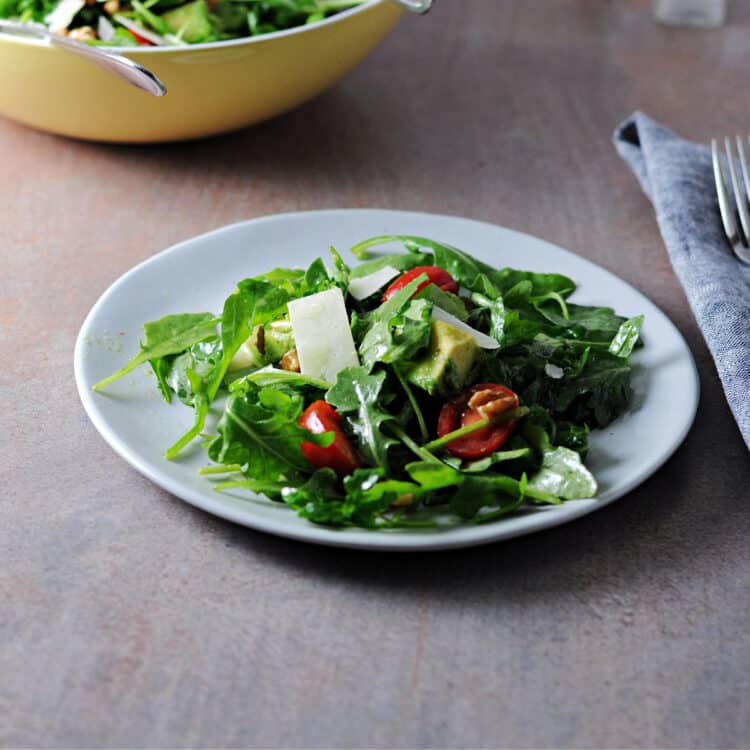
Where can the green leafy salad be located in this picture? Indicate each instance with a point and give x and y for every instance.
(423, 388)
(169, 22)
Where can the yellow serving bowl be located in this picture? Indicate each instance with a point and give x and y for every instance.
(211, 88)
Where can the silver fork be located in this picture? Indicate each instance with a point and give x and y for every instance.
(738, 235)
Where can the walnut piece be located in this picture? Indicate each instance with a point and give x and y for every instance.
(82, 34)
(290, 361)
(403, 500)
(490, 404)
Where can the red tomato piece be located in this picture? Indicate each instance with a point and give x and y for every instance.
(435, 275)
(141, 40)
(321, 417)
(457, 413)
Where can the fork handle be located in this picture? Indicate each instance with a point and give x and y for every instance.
(135, 74)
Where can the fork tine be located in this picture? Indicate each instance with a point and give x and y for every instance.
(739, 198)
(727, 214)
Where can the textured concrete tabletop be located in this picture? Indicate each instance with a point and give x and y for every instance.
(129, 619)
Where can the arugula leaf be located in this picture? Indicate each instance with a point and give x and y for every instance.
(462, 267)
(626, 337)
(599, 394)
(573, 436)
(161, 367)
(200, 359)
(541, 283)
(319, 499)
(519, 295)
(451, 303)
(257, 303)
(235, 329)
(259, 430)
(475, 492)
(555, 297)
(398, 329)
(364, 501)
(288, 279)
(482, 464)
(341, 272)
(411, 399)
(201, 403)
(317, 278)
(273, 376)
(401, 262)
(495, 307)
(466, 269)
(356, 394)
(265, 302)
(372, 497)
(591, 324)
(434, 475)
(171, 334)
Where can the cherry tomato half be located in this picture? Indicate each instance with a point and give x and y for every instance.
(457, 413)
(436, 276)
(320, 417)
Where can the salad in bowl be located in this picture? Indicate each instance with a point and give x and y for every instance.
(130, 23)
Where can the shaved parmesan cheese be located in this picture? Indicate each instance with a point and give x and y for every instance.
(553, 371)
(485, 341)
(104, 29)
(63, 14)
(362, 288)
(320, 325)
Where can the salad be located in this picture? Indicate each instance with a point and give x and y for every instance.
(124, 23)
(419, 388)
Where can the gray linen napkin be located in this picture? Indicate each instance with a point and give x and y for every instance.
(677, 177)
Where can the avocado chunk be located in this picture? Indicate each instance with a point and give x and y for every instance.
(446, 366)
(278, 339)
(248, 356)
(265, 345)
(190, 22)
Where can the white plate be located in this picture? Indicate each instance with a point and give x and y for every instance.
(198, 274)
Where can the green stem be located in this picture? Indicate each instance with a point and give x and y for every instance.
(414, 405)
(271, 375)
(252, 485)
(138, 360)
(557, 298)
(580, 342)
(441, 442)
(201, 410)
(415, 448)
(223, 469)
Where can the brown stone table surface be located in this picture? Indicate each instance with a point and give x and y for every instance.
(128, 618)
